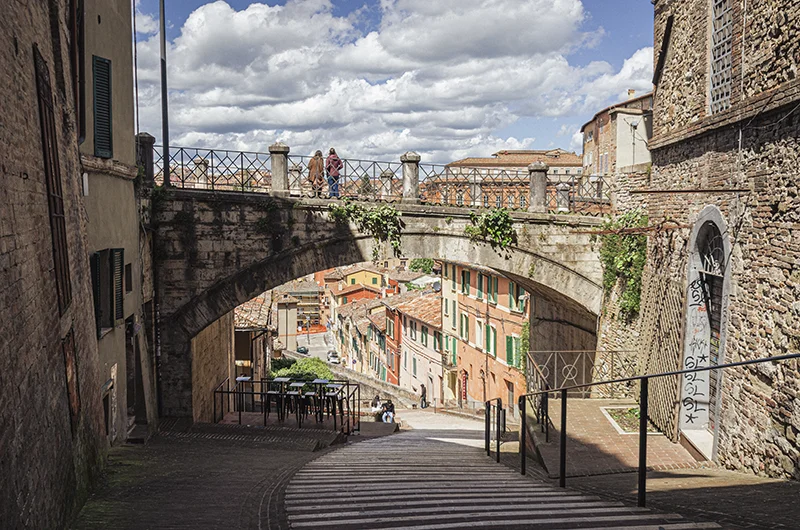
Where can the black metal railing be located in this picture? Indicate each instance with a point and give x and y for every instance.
(494, 406)
(341, 398)
(643, 380)
(214, 169)
(574, 367)
(366, 180)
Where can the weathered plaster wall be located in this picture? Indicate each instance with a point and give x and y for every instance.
(212, 363)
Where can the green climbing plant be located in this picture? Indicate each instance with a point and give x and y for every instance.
(421, 265)
(382, 222)
(623, 255)
(494, 226)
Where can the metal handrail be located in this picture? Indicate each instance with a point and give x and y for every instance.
(498, 414)
(643, 414)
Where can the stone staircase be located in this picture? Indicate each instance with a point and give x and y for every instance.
(274, 437)
(419, 480)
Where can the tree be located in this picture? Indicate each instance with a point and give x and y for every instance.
(421, 265)
(306, 370)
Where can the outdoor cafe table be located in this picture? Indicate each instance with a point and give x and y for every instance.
(297, 394)
(334, 390)
(282, 392)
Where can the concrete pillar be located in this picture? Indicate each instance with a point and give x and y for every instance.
(410, 162)
(145, 155)
(562, 197)
(279, 154)
(538, 189)
(387, 176)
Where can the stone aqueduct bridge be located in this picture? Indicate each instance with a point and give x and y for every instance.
(214, 250)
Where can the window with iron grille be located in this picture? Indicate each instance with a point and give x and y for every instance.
(721, 52)
(52, 174)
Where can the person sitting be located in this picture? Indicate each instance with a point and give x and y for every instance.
(388, 412)
(376, 404)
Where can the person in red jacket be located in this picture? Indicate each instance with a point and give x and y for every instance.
(333, 165)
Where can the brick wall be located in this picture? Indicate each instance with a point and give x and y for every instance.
(47, 465)
(212, 363)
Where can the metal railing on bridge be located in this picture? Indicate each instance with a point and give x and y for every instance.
(381, 181)
(540, 400)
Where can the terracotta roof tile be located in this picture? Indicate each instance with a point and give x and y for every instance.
(426, 308)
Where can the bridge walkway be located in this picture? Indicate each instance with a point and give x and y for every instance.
(437, 476)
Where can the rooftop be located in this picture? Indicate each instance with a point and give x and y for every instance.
(298, 287)
(365, 306)
(622, 104)
(426, 308)
(522, 159)
(254, 313)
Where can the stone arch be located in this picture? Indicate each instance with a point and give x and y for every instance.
(706, 314)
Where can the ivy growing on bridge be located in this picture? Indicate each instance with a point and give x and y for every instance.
(623, 253)
(382, 222)
(494, 226)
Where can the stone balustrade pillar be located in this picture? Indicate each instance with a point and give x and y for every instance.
(410, 162)
(387, 176)
(145, 155)
(279, 155)
(538, 187)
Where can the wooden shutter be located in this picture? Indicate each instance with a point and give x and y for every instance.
(101, 71)
(510, 350)
(52, 174)
(480, 285)
(511, 297)
(94, 261)
(117, 261)
(488, 333)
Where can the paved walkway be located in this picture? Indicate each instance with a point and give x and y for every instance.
(437, 476)
(595, 447)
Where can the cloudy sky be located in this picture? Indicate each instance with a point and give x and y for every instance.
(376, 78)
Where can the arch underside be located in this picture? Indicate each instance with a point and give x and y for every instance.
(539, 274)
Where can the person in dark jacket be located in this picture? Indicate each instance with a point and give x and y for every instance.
(423, 397)
(388, 412)
(316, 174)
(333, 165)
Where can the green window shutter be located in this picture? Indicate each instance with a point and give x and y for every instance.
(480, 285)
(517, 353)
(487, 337)
(453, 279)
(469, 282)
(117, 264)
(495, 282)
(510, 350)
(511, 304)
(414, 361)
(352, 281)
(94, 261)
(494, 342)
(101, 71)
(374, 281)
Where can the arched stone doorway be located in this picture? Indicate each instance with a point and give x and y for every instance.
(706, 315)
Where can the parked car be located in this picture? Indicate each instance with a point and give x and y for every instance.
(303, 350)
(333, 357)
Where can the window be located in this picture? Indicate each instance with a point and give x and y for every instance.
(414, 363)
(437, 340)
(555, 172)
(498, 201)
(413, 330)
(479, 333)
(522, 201)
(465, 281)
(566, 171)
(480, 286)
(485, 200)
(424, 336)
(390, 327)
(513, 354)
(374, 280)
(128, 278)
(52, 175)
(453, 279)
(352, 281)
(405, 324)
(721, 54)
(405, 359)
(464, 330)
(446, 307)
(106, 267)
(491, 340)
(454, 313)
(344, 300)
(511, 201)
(460, 198)
(491, 289)
(101, 72)
(516, 301)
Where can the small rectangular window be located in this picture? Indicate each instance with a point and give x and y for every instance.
(414, 361)
(374, 280)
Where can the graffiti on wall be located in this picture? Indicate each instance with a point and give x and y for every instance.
(695, 386)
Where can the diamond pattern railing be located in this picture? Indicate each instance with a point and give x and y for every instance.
(215, 169)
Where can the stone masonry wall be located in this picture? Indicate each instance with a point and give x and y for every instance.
(212, 363)
(760, 415)
(47, 465)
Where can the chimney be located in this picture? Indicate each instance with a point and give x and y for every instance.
(631, 92)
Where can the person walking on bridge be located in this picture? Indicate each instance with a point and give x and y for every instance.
(423, 397)
(333, 165)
